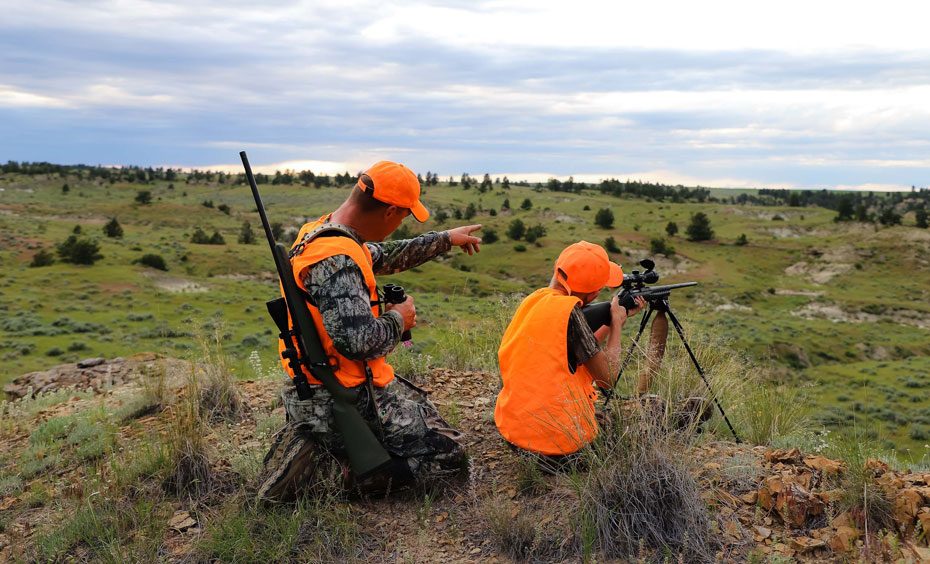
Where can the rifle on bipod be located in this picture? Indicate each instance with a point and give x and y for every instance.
(634, 286)
(303, 350)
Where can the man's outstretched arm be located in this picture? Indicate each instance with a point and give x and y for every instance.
(396, 256)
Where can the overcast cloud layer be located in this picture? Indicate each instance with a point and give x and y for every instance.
(716, 93)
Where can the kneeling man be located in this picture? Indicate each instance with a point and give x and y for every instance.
(550, 359)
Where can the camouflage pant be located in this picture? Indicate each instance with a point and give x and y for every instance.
(407, 423)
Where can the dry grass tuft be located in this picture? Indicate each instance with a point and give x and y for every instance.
(190, 470)
(531, 530)
(219, 397)
(638, 498)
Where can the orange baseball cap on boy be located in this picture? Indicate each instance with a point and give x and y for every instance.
(587, 268)
(393, 183)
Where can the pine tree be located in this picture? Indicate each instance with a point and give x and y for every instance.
(699, 229)
(604, 218)
(113, 229)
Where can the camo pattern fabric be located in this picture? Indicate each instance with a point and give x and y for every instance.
(337, 286)
(408, 424)
(582, 345)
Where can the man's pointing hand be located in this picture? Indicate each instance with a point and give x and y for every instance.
(462, 237)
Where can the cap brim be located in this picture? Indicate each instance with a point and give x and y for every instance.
(615, 276)
(420, 212)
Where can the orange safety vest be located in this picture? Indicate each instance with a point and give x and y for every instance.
(542, 406)
(349, 372)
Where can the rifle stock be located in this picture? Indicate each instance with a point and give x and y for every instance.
(598, 314)
(366, 454)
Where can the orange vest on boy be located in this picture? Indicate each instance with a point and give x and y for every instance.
(349, 372)
(542, 406)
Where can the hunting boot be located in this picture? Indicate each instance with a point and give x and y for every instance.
(289, 465)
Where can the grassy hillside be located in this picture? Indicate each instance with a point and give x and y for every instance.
(837, 309)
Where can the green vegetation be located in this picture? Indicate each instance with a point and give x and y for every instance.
(699, 229)
(79, 251)
(604, 218)
(855, 332)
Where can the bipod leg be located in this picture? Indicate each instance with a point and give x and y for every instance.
(700, 370)
(642, 327)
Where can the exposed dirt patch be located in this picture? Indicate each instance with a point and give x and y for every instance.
(665, 266)
(818, 273)
(787, 292)
(175, 284)
(783, 232)
(717, 302)
(836, 314)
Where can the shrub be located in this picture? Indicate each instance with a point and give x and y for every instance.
(54, 351)
(65, 188)
(246, 235)
(470, 211)
(277, 231)
(671, 228)
(224, 208)
(201, 238)
(489, 236)
(535, 232)
(42, 258)
(152, 261)
(919, 432)
(658, 246)
(143, 197)
(699, 229)
(516, 230)
(492, 212)
(921, 218)
(78, 346)
(604, 218)
(586, 207)
(79, 251)
(113, 229)
(442, 216)
(207, 203)
(527, 204)
(741, 240)
(611, 245)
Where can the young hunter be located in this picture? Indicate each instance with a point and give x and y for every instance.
(550, 360)
(337, 270)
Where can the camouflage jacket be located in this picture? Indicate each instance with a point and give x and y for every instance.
(337, 286)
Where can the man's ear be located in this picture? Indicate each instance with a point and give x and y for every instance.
(391, 211)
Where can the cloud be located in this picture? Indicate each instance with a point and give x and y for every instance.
(702, 92)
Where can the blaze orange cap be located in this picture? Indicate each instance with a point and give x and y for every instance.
(393, 183)
(587, 268)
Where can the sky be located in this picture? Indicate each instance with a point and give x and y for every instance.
(789, 94)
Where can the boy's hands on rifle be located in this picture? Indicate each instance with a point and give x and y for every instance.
(619, 314)
(462, 237)
(406, 310)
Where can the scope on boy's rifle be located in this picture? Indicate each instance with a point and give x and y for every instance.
(634, 286)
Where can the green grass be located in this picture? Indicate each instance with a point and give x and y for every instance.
(116, 308)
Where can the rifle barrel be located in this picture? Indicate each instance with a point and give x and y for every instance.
(261, 207)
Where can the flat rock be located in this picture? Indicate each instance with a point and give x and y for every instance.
(94, 373)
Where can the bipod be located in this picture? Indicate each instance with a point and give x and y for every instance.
(663, 305)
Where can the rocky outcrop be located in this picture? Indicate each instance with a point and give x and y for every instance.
(94, 373)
